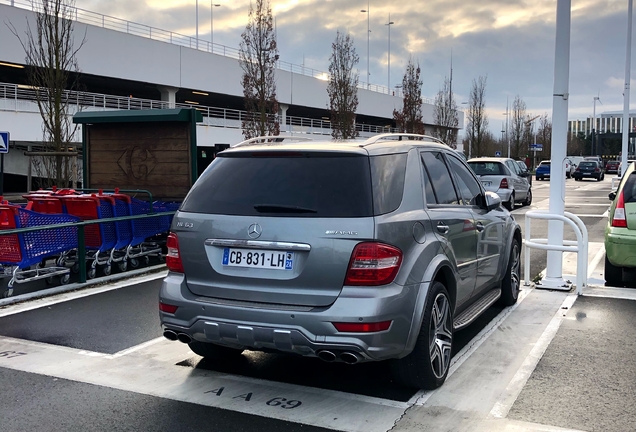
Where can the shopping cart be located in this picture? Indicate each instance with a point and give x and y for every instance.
(19, 252)
(100, 238)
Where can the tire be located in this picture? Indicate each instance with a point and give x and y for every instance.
(528, 200)
(600, 178)
(613, 274)
(107, 270)
(123, 266)
(511, 282)
(64, 279)
(510, 205)
(426, 367)
(539, 178)
(91, 273)
(134, 262)
(212, 351)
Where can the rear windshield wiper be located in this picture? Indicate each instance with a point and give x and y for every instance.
(275, 208)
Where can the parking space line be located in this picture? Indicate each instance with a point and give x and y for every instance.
(422, 396)
(512, 391)
(136, 348)
(67, 296)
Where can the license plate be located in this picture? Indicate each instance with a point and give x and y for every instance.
(253, 258)
(486, 183)
(587, 174)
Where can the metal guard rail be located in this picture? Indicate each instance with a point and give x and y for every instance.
(580, 246)
(81, 242)
(142, 30)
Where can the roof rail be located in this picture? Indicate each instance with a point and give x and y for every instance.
(271, 139)
(399, 136)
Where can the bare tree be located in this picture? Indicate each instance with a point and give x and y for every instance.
(544, 136)
(343, 87)
(52, 70)
(445, 115)
(258, 54)
(518, 128)
(409, 119)
(477, 119)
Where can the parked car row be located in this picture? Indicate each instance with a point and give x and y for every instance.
(506, 178)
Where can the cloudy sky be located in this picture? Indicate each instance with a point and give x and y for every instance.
(509, 41)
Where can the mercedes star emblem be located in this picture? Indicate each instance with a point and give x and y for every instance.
(254, 231)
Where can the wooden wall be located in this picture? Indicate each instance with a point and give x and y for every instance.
(154, 156)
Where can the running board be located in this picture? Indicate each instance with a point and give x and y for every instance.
(476, 309)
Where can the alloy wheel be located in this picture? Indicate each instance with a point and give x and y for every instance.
(440, 335)
(515, 280)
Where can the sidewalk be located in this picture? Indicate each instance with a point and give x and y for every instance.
(558, 362)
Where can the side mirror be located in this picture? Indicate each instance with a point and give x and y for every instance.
(612, 196)
(492, 200)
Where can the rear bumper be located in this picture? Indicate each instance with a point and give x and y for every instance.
(585, 175)
(620, 247)
(303, 331)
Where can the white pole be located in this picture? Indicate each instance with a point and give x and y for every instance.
(197, 24)
(389, 66)
(628, 61)
(507, 135)
(368, 35)
(554, 277)
(211, 26)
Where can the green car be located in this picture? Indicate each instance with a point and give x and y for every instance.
(620, 232)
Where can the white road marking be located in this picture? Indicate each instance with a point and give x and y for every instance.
(136, 348)
(512, 391)
(64, 297)
(611, 292)
(422, 396)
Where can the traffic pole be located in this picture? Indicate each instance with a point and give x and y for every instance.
(554, 277)
(628, 61)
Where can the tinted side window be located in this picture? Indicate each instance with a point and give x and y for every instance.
(468, 186)
(388, 174)
(284, 185)
(513, 167)
(440, 178)
(428, 188)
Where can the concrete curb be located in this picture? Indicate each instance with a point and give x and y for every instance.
(78, 286)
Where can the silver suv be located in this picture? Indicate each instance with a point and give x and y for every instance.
(347, 251)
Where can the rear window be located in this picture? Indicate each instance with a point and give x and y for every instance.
(587, 165)
(388, 172)
(629, 190)
(289, 185)
(488, 168)
(544, 164)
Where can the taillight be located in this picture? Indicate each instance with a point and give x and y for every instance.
(362, 327)
(619, 220)
(173, 258)
(577, 169)
(168, 308)
(597, 170)
(503, 184)
(373, 264)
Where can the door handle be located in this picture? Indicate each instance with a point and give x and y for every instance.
(442, 228)
(479, 226)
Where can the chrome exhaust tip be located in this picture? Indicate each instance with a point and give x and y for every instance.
(350, 358)
(170, 335)
(184, 338)
(327, 356)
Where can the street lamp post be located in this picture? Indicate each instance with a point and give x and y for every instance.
(367, 11)
(596, 98)
(197, 24)
(389, 66)
(212, 6)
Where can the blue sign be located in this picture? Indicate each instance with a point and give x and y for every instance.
(497, 154)
(536, 147)
(4, 142)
